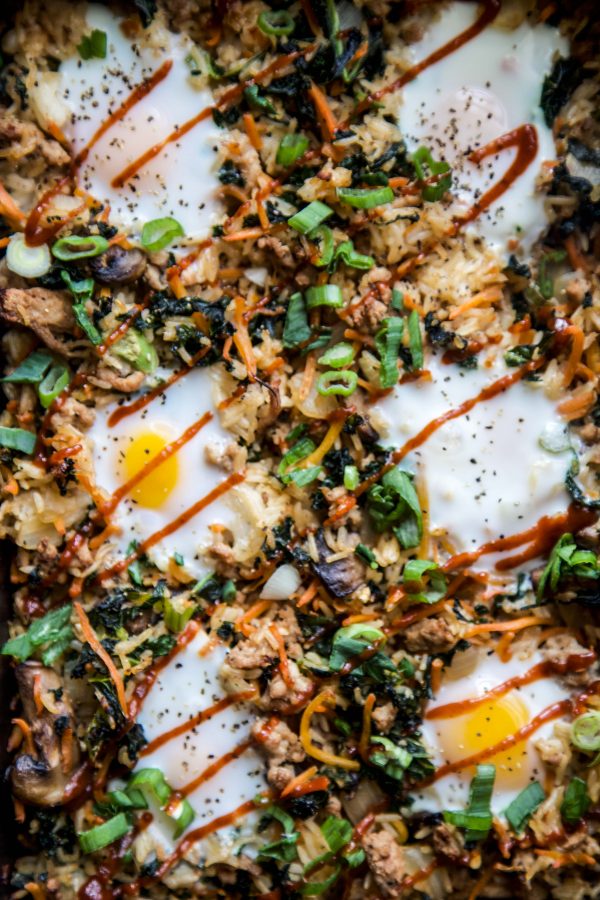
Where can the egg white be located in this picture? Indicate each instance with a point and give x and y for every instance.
(489, 86)
(485, 473)
(180, 181)
(169, 415)
(485, 672)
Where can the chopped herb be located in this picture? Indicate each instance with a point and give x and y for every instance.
(477, 818)
(17, 439)
(351, 641)
(393, 504)
(519, 812)
(93, 46)
(41, 633)
(567, 560)
(387, 343)
(427, 169)
(576, 801)
(424, 580)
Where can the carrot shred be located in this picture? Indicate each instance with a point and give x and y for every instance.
(489, 295)
(10, 210)
(298, 780)
(36, 890)
(284, 664)
(176, 285)
(252, 131)
(91, 639)
(423, 612)
(308, 594)
(254, 612)
(12, 486)
(37, 694)
(575, 355)
(241, 338)
(324, 114)
(436, 675)
(578, 404)
(318, 704)
(360, 617)
(262, 215)
(341, 509)
(503, 646)
(514, 625)
(365, 735)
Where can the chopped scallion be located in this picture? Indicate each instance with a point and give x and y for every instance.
(275, 22)
(296, 329)
(387, 343)
(53, 384)
(426, 167)
(310, 217)
(477, 818)
(338, 356)
(365, 198)
(324, 236)
(291, 148)
(102, 835)
(177, 613)
(339, 383)
(585, 732)
(159, 233)
(324, 295)
(32, 369)
(26, 261)
(79, 247)
(352, 258)
(576, 801)
(86, 324)
(351, 478)
(415, 340)
(519, 812)
(17, 439)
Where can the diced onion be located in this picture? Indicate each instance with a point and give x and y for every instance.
(284, 582)
(29, 262)
(257, 275)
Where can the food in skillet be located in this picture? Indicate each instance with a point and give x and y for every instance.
(299, 453)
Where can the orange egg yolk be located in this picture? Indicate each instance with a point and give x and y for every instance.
(154, 488)
(486, 726)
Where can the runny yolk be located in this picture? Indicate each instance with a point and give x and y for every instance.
(485, 727)
(152, 491)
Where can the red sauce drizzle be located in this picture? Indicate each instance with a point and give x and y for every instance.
(175, 525)
(575, 663)
(569, 705)
(152, 464)
(525, 139)
(490, 10)
(143, 687)
(212, 770)
(198, 719)
(541, 537)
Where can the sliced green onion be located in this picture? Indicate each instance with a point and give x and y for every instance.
(50, 627)
(365, 198)
(102, 835)
(351, 478)
(53, 384)
(228, 591)
(82, 290)
(324, 235)
(28, 262)
(338, 384)
(137, 350)
(159, 233)
(429, 590)
(315, 888)
(79, 247)
(585, 732)
(177, 613)
(351, 257)
(519, 812)
(291, 148)
(302, 477)
(303, 448)
(394, 760)
(183, 815)
(275, 22)
(338, 356)
(387, 343)
(426, 167)
(296, 329)
(545, 282)
(366, 554)
(258, 101)
(86, 324)
(415, 340)
(133, 800)
(17, 439)
(93, 46)
(477, 818)
(324, 295)
(397, 300)
(154, 781)
(350, 641)
(310, 217)
(31, 370)
(576, 801)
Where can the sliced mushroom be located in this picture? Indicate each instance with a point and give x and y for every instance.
(41, 773)
(342, 577)
(118, 266)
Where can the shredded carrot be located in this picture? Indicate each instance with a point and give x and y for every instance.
(365, 735)
(317, 704)
(320, 783)
(410, 264)
(481, 883)
(27, 734)
(4, 241)
(76, 587)
(254, 612)
(246, 234)
(514, 625)
(262, 216)
(324, 114)
(342, 509)
(176, 285)
(423, 612)
(298, 780)
(503, 646)
(360, 617)
(12, 486)
(360, 339)
(275, 364)
(227, 348)
(395, 595)
(411, 304)
(36, 890)
(308, 376)
(489, 295)
(436, 674)
(575, 355)
(308, 594)
(241, 338)
(10, 210)
(19, 809)
(91, 639)
(231, 274)
(326, 444)
(578, 404)
(284, 665)
(576, 257)
(37, 694)
(252, 131)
